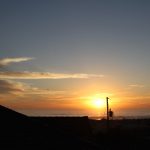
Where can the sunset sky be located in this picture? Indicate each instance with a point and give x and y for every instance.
(58, 57)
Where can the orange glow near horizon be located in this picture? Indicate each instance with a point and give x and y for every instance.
(90, 101)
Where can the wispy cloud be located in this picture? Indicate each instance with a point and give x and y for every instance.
(25, 95)
(37, 75)
(10, 87)
(7, 61)
(136, 85)
(45, 75)
(20, 88)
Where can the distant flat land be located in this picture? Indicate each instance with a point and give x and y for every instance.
(19, 131)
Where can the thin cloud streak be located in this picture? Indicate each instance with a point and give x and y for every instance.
(19, 88)
(45, 75)
(136, 86)
(10, 87)
(7, 61)
(12, 92)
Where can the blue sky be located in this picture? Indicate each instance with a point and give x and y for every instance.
(100, 37)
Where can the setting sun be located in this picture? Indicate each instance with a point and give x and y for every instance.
(97, 102)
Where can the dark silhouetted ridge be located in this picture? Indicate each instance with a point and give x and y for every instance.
(13, 123)
(6, 112)
(19, 131)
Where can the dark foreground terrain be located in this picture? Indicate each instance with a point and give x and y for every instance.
(19, 132)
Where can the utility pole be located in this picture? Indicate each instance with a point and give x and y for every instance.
(107, 103)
